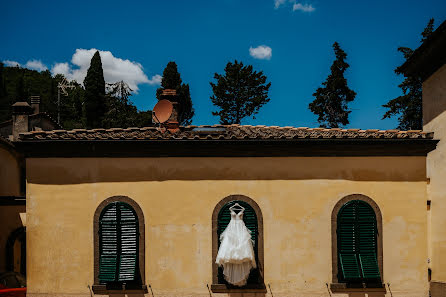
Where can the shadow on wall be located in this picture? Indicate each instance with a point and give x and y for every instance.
(374, 294)
(94, 170)
(125, 295)
(246, 294)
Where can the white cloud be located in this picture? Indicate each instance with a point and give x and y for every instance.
(115, 69)
(278, 3)
(10, 63)
(262, 52)
(296, 6)
(303, 7)
(62, 68)
(155, 80)
(35, 65)
(31, 64)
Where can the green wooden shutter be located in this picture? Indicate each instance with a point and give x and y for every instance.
(128, 242)
(349, 265)
(357, 242)
(367, 241)
(108, 244)
(347, 248)
(250, 220)
(118, 243)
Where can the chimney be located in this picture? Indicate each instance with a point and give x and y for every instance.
(20, 113)
(172, 123)
(35, 104)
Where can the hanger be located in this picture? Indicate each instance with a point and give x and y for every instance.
(237, 207)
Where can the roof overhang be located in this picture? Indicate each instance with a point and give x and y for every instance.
(429, 57)
(226, 148)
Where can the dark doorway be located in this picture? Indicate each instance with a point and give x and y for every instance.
(16, 251)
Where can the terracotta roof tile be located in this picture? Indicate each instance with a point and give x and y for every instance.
(221, 132)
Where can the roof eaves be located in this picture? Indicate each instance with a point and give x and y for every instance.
(429, 57)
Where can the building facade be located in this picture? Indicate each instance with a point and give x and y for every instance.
(297, 181)
(332, 212)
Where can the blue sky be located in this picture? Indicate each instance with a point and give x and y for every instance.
(202, 36)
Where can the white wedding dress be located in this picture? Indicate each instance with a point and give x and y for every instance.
(236, 253)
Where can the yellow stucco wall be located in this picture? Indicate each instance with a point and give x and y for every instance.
(434, 95)
(9, 174)
(178, 196)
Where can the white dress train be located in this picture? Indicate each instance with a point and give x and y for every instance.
(236, 253)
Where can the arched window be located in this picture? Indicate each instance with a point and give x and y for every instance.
(358, 243)
(119, 245)
(16, 251)
(254, 222)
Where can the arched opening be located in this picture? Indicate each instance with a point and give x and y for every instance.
(16, 251)
(119, 245)
(254, 222)
(357, 241)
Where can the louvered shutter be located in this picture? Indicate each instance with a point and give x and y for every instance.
(118, 243)
(357, 242)
(108, 244)
(367, 241)
(250, 220)
(128, 243)
(347, 247)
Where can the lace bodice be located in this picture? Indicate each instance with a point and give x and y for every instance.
(237, 216)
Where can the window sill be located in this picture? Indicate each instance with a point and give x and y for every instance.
(249, 288)
(346, 288)
(103, 290)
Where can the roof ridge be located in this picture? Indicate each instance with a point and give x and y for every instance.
(223, 132)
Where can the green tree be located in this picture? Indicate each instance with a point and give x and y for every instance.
(4, 102)
(240, 92)
(71, 106)
(20, 83)
(120, 111)
(331, 100)
(2, 82)
(94, 104)
(172, 80)
(409, 105)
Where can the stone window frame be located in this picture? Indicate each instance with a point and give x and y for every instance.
(341, 287)
(249, 288)
(100, 288)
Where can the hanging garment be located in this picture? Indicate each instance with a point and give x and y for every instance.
(236, 253)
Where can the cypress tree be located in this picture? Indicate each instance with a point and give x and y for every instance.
(331, 103)
(94, 83)
(172, 80)
(409, 105)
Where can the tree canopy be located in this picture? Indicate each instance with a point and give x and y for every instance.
(17, 84)
(94, 83)
(409, 105)
(331, 100)
(172, 80)
(238, 93)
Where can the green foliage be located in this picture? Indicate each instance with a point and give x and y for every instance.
(95, 103)
(71, 106)
(121, 113)
(239, 93)
(409, 105)
(17, 84)
(20, 83)
(331, 100)
(172, 80)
